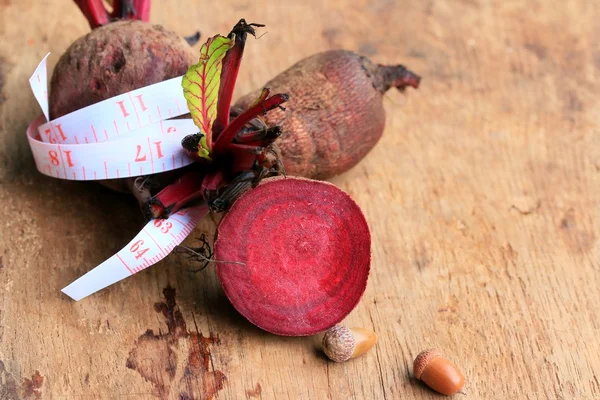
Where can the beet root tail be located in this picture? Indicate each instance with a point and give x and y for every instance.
(397, 76)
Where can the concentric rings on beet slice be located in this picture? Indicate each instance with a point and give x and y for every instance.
(293, 255)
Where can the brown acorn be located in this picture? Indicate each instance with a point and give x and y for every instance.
(439, 373)
(341, 344)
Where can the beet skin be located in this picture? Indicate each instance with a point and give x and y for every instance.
(114, 59)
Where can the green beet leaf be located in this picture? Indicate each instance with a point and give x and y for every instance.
(201, 88)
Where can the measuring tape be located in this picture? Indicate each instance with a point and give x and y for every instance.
(115, 138)
(124, 136)
(154, 242)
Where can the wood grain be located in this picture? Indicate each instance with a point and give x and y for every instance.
(482, 197)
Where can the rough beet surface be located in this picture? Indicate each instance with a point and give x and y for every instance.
(115, 59)
(306, 250)
(335, 113)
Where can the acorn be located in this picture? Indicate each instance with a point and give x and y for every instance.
(437, 372)
(341, 343)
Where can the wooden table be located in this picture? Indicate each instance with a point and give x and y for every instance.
(482, 197)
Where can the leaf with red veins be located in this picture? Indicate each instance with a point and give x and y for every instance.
(201, 87)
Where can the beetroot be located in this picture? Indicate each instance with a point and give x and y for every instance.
(306, 250)
(335, 114)
(115, 58)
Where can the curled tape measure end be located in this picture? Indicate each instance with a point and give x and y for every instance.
(153, 243)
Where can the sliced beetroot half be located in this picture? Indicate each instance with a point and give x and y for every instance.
(293, 255)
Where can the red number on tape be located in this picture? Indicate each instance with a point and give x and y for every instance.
(139, 97)
(54, 158)
(48, 133)
(60, 131)
(69, 160)
(138, 156)
(123, 109)
(135, 248)
(166, 228)
(159, 149)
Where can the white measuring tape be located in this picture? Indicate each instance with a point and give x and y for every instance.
(126, 135)
(154, 242)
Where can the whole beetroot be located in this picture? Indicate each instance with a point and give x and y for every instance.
(335, 113)
(114, 59)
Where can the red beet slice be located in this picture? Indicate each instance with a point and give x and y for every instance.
(306, 249)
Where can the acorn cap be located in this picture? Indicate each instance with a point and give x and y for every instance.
(423, 359)
(339, 343)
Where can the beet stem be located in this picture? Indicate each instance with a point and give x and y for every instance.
(238, 123)
(229, 72)
(97, 15)
(123, 9)
(262, 137)
(175, 196)
(131, 9)
(232, 191)
(142, 10)
(94, 11)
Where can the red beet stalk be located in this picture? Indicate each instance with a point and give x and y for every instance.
(231, 66)
(94, 11)
(131, 9)
(262, 137)
(230, 132)
(193, 186)
(235, 153)
(97, 15)
(183, 191)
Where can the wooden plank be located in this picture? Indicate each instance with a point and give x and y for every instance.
(482, 197)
